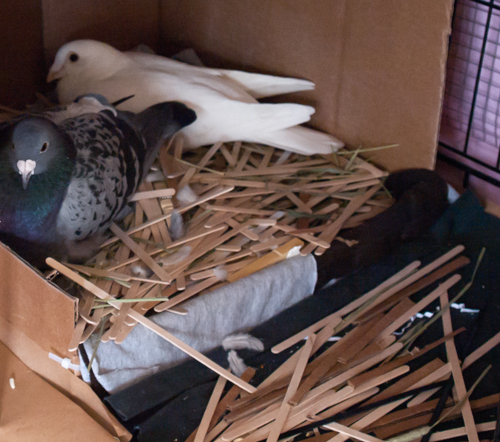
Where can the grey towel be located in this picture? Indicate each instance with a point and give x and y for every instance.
(234, 308)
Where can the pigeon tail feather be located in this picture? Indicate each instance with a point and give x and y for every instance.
(262, 85)
(238, 121)
(272, 117)
(158, 122)
(302, 140)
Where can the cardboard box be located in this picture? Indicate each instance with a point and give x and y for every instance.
(32, 408)
(378, 65)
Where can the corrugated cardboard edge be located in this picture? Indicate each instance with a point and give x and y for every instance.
(35, 306)
(37, 359)
(32, 408)
(36, 317)
(393, 79)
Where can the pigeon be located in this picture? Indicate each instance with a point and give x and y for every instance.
(225, 101)
(67, 174)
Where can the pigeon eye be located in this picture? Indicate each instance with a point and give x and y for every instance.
(73, 57)
(44, 147)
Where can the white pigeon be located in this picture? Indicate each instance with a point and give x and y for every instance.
(225, 101)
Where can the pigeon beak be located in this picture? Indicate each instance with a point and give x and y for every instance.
(54, 75)
(26, 169)
(26, 177)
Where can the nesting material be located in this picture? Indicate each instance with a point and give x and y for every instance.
(219, 214)
(341, 390)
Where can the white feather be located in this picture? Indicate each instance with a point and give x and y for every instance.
(299, 139)
(242, 341)
(186, 195)
(236, 364)
(140, 270)
(257, 85)
(220, 273)
(177, 228)
(85, 105)
(155, 176)
(224, 101)
(177, 257)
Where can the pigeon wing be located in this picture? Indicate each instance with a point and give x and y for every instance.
(257, 85)
(107, 172)
(157, 123)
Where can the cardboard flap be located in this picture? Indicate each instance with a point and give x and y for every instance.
(32, 410)
(37, 360)
(391, 90)
(34, 306)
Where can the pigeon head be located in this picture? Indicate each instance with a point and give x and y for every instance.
(85, 58)
(36, 145)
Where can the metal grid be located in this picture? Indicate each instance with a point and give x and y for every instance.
(470, 126)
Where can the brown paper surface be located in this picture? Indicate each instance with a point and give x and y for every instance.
(378, 65)
(121, 23)
(35, 411)
(63, 380)
(34, 306)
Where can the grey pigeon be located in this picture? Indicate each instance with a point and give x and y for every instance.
(66, 175)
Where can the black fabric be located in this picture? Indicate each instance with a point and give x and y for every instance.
(421, 199)
(169, 405)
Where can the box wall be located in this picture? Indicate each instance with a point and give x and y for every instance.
(121, 23)
(31, 31)
(36, 358)
(21, 52)
(35, 307)
(378, 65)
(394, 68)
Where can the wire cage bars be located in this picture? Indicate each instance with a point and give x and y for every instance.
(470, 126)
